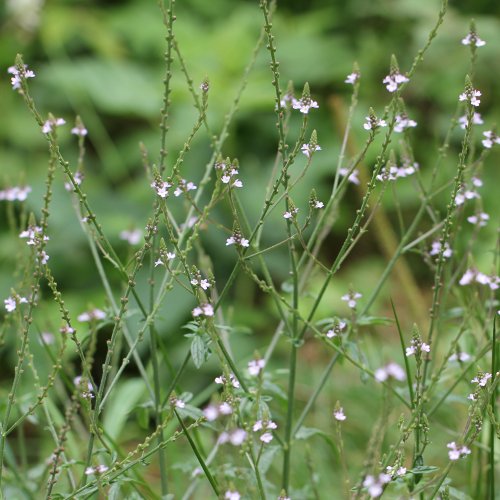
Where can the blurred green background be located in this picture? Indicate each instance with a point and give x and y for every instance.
(104, 61)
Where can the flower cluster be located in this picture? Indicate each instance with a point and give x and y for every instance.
(417, 346)
(436, 248)
(481, 219)
(93, 315)
(78, 179)
(51, 123)
(164, 257)
(351, 298)
(476, 120)
(98, 469)
(203, 310)
(403, 122)
(392, 370)
(201, 282)
(232, 495)
(184, 187)
(399, 472)
(229, 171)
(237, 239)
(375, 486)
(255, 366)
(19, 73)
(394, 80)
(472, 274)
(372, 123)
(304, 104)
(33, 235)
(482, 379)
(79, 130)
(232, 380)
(266, 426)
(87, 391)
(236, 437)
(473, 39)
(309, 149)
(15, 193)
(337, 328)
(462, 357)
(212, 412)
(132, 237)
(471, 95)
(464, 194)
(290, 214)
(491, 138)
(339, 414)
(161, 187)
(12, 302)
(353, 176)
(455, 452)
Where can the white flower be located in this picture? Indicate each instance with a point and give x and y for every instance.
(203, 310)
(49, 125)
(237, 239)
(459, 356)
(436, 249)
(353, 176)
(79, 130)
(237, 437)
(304, 104)
(67, 329)
(372, 122)
(180, 404)
(225, 408)
(20, 74)
(402, 123)
(351, 298)
(222, 380)
(392, 370)
(417, 346)
(211, 413)
(339, 414)
(471, 96)
(394, 80)
(132, 237)
(78, 179)
(479, 219)
(476, 119)
(374, 486)
(337, 328)
(255, 366)
(232, 495)
(457, 452)
(99, 469)
(318, 204)
(491, 138)
(309, 149)
(290, 214)
(352, 78)
(202, 283)
(473, 39)
(159, 262)
(481, 380)
(91, 315)
(12, 302)
(161, 188)
(15, 193)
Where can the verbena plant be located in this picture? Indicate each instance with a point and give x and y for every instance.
(246, 434)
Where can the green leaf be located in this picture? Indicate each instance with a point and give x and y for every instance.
(199, 351)
(374, 320)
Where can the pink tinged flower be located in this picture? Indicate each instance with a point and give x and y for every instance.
(91, 315)
(67, 329)
(309, 149)
(339, 415)
(353, 176)
(304, 104)
(337, 328)
(49, 125)
(232, 495)
(373, 122)
(19, 74)
(237, 437)
(48, 338)
(98, 469)
(79, 130)
(211, 413)
(15, 193)
(318, 204)
(471, 96)
(78, 179)
(203, 310)
(237, 239)
(455, 452)
(479, 219)
(225, 408)
(402, 123)
(132, 237)
(290, 214)
(410, 350)
(255, 366)
(473, 39)
(267, 437)
(477, 182)
(12, 302)
(481, 380)
(196, 472)
(180, 404)
(161, 188)
(459, 356)
(351, 298)
(436, 249)
(394, 80)
(237, 184)
(375, 486)
(472, 397)
(352, 78)
(464, 195)
(476, 120)
(392, 370)
(491, 138)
